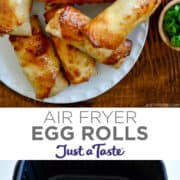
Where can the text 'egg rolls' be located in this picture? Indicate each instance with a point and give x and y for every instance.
(39, 62)
(15, 17)
(113, 25)
(78, 66)
(67, 23)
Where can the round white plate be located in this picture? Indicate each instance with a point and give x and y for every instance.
(11, 73)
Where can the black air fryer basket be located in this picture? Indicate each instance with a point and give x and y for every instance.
(90, 170)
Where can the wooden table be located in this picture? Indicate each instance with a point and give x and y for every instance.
(154, 80)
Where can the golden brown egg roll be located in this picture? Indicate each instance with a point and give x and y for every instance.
(78, 66)
(15, 17)
(67, 23)
(112, 26)
(39, 62)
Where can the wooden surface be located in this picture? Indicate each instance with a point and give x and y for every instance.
(154, 80)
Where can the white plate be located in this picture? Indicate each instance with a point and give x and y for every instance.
(11, 73)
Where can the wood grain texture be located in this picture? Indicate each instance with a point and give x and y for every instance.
(155, 79)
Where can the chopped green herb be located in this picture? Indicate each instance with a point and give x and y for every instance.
(177, 8)
(175, 41)
(170, 28)
(171, 24)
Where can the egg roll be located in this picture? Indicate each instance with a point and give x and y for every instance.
(39, 62)
(15, 17)
(113, 25)
(67, 23)
(78, 66)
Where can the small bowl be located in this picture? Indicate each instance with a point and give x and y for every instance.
(163, 34)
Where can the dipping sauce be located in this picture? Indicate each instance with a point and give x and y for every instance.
(171, 25)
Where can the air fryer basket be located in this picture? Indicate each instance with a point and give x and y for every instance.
(80, 177)
(90, 170)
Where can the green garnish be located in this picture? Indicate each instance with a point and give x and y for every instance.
(175, 41)
(171, 24)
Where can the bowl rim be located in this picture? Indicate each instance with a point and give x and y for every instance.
(160, 24)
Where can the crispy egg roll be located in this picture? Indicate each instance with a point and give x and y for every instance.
(78, 66)
(39, 62)
(15, 17)
(67, 23)
(112, 26)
